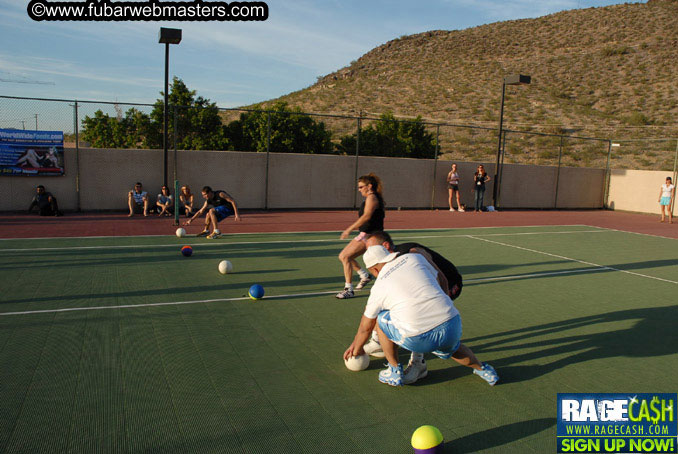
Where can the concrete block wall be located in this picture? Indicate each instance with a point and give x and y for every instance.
(300, 181)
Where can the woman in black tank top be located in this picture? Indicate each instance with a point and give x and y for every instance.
(370, 219)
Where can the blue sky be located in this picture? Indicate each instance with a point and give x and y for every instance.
(230, 63)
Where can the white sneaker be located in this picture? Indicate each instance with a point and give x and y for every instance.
(415, 370)
(363, 282)
(373, 348)
(461, 210)
(345, 294)
(452, 209)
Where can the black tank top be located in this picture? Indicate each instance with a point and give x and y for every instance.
(216, 200)
(376, 222)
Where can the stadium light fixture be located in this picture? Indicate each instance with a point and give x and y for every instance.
(167, 36)
(513, 79)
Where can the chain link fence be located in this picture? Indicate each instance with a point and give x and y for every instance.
(134, 126)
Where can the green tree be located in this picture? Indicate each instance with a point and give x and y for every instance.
(391, 137)
(291, 131)
(128, 131)
(198, 125)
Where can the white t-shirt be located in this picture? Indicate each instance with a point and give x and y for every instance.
(407, 286)
(667, 190)
(453, 178)
(139, 197)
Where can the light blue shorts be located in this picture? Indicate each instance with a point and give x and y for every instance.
(666, 201)
(442, 341)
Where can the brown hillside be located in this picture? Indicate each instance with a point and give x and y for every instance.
(609, 72)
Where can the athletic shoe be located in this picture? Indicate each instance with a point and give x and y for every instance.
(461, 210)
(392, 375)
(488, 374)
(213, 236)
(415, 370)
(345, 294)
(204, 233)
(452, 209)
(363, 282)
(373, 348)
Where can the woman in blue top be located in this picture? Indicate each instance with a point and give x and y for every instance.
(370, 219)
(164, 202)
(479, 180)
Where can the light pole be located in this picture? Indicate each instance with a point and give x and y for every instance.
(513, 79)
(167, 36)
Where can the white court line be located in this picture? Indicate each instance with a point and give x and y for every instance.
(573, 260)
(330, 240)
(173, 303)
(294, 233)
(294, 295)
(526, 276)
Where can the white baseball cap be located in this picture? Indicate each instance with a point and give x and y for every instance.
(377, 254)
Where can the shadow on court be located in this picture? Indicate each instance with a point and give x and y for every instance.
(151, 255)
(201, 290)
(541, 274)
(498, 436)
(652, 334)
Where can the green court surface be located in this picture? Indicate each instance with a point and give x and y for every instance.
(122, 345)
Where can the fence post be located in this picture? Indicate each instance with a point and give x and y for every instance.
(499, 171)
(606, 196)
(176, 181)
(675, 176)
(435, 167)
(268, 157)
(560, 157)
(77, 156)
(357, 154)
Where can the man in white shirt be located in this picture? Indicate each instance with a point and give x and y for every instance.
(409, 309)
(137, 200)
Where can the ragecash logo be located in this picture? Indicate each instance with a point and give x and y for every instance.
(618, 423)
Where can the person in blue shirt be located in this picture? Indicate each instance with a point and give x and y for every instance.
(164, 202)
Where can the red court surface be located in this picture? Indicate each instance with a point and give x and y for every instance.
(118, 224)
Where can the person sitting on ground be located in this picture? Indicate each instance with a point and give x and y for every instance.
(164, 202)
(409, 309)
(46, 203)
(137, 201)
(186, 199)
(217, 208)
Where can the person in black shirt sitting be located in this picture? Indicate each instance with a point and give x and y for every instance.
(46, 203)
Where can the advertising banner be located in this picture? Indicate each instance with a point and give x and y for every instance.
(618, 423)
(31, 152)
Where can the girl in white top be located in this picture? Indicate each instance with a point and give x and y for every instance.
(453, 187)
(666, 195)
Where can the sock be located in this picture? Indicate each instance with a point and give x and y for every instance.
(349, 286)
(362, 272)
(216, 231)
(375, 336)
(417, 357)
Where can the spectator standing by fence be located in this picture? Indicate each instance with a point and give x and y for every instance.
(666, 195)
(479, 180)
(453, 188)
